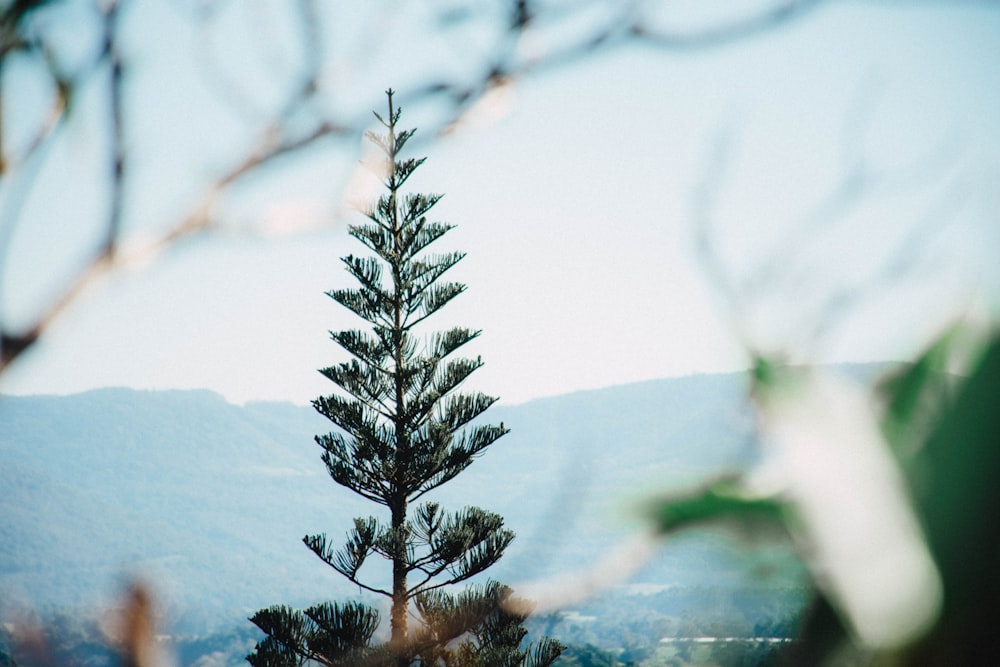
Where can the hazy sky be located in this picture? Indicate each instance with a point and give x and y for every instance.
(580, 209)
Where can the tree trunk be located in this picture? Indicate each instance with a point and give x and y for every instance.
(398, 615)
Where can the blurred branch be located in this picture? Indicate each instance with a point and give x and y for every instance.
(276, 140)
(786, 267)
(47, 128)
(901, 264)
(273, 144)
(704, 200)
(311, 110)
(767, 19)
(116, 140)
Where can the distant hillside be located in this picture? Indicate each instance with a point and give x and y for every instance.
(181, 485)
(211, 500)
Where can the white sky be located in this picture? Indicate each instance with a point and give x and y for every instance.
(576, 213)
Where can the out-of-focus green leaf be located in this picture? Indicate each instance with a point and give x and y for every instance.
(772, 379)
(960, 507)
(723, 499)
(764, 371)
(917, 394)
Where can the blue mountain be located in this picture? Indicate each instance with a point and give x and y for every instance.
(209, 501)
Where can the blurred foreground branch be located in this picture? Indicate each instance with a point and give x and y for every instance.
(525, 38)
(868, 477)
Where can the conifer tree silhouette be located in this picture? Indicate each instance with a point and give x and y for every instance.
(403, 428)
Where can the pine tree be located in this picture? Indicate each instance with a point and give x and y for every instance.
(403, 428)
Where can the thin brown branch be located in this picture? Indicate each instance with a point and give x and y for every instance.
(703, 203)
(784, 267)
(312, 48)
(902, 264)
(630, 28)
(12, 344)
(503, 67)
(768, 19)
(47, 129)
(270, 148)
(116, 140)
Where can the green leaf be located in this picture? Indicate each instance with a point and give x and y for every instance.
(960, 500)
(721, 500)
(917, 394)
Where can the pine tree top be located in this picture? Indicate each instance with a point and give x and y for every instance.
(404, 426)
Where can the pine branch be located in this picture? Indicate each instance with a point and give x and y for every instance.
(465, 544)
(412, 210)
(367, 271)
(421, 275)
(287, 631)
(426, 522)
(429, 384)
(460, 456)
(358, 465)
(403, 170)
(402, 137)
(349, 559)
(422, 234)
(544, 653)
(432, 300)
(418, 275)
(369, 350)
(442, 382)
(393, 541)
(460, 409)
(353, 416)
(442, 344)
(345, 627)
(367, 304)
(378, 236)
(451, 616)
(370, 385)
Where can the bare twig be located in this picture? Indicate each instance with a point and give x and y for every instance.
(116, 140)
(300, 120)
(744, 27)
(783, 266)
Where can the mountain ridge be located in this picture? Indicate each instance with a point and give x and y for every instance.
(211, 499)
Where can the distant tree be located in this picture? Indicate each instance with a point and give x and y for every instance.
(402, 430)
(588, 656)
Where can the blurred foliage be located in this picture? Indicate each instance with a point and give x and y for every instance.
(943, 431)
(958, 499)
(722, 498)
